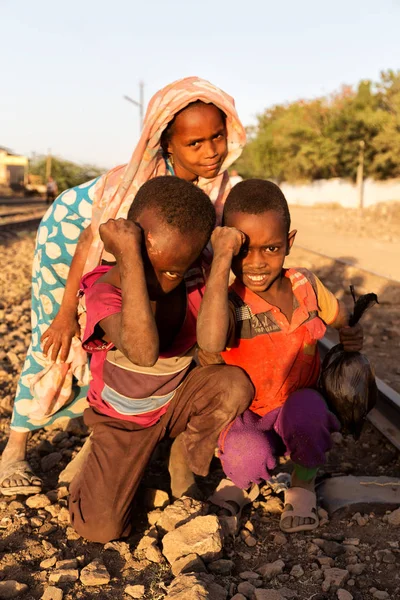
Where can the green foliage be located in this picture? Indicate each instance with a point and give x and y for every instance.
(320, 139)
(67, 174)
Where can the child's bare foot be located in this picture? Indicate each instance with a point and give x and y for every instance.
(300, 512)
(16, 476)
(182, 479)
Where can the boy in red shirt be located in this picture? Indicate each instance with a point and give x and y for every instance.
(141, 332)
(269, 322)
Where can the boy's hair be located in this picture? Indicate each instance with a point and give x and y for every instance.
(255, 196)
(179, 203)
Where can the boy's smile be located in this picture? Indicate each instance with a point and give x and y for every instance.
(259, 263)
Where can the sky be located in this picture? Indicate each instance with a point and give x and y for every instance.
(65, 66)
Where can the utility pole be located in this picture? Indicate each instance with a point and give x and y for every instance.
(360, 176)
(139, 104)
(48, 165)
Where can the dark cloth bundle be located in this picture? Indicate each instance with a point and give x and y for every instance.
(347, 378)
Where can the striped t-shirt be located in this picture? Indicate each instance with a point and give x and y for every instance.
(120, 388)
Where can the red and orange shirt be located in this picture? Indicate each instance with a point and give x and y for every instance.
(280, 357)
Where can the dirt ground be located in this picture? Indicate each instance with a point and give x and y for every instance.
(366, 547)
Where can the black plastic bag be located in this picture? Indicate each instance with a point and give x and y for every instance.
(347, 378)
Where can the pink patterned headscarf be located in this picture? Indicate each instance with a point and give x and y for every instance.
(116, 189)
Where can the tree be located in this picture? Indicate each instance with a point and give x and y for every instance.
(66, 173)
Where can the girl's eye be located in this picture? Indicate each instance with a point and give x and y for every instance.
(272, 248)
(194, 144)
(172, 275)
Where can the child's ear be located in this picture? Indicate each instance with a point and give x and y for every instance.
(290, 240)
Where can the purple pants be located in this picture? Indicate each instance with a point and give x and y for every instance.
(301, 427)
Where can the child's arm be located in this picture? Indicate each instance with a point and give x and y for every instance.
(213, 319)
(133, 330)
(65, 325)
(351, 338)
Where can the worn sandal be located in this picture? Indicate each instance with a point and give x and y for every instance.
(233, 499)
(20, 468)
(303, 504)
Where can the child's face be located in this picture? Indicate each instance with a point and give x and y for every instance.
(198, 143)
(167, 253)
(260, 261)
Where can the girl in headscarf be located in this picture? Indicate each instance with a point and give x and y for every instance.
(191, 130)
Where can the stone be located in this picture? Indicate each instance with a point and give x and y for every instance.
(337, 438)
(249, 575)
(274, 505)
(121, 547)
(297, 571)
(270, 570)
(12, 589)
(264, 594)
(38, 501)
(153, 516)
(63, 515)
(201, 535)
(381, 595)
(336, 577)
(48, 562)
(250, 541)
(341, 492)
(64, 576)
(330, 548)
(385, 556)
(179, 513)
(153, 553)
(14, 506)
(246, 588)
(325, 561)
(191, 563)
(154, 498)
(238, 597)
(135, 591)
(52, 593)
(69, 563)
(47, 529)
(50, 461)
(279, 539)
(356, 569)
(344, 594)
(394, 518)
(222, 566)
(95, 573)
(195, 587)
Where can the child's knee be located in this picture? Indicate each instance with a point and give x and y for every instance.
(237, 391)
(93, 528)
(305, 412)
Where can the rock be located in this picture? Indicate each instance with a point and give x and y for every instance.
(48, 562)
(64, 576)
(336, 577)
(47, 529)
(52, 593)
(249, 575)
(330, 548)
(325, 561)
(337, 438)
(344, 594)
(229, 525)
(385, 556)
(38, 501)
(51, 460)
(95, 573)
(322, 513)
(179, 513)
(221, 567)
(270, 570)
(121, 547)
(381, 595)
(246, 588)
(191, 563)
(63, 515)
(14, 506)
(263, 594)
(356, 569)
(279, 539)
(201, 535)
(69, 563)
(135, 591)
(341, 492)
(195, 587)
(250, 541)
(238, 597)
(155, 498)
(154, 516)
(153, 553)
(12, 589)
(297, 571)
(394, 518)
(274, 505)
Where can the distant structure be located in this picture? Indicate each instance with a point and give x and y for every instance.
(13, 168)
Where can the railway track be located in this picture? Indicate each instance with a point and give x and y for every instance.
(386, 415)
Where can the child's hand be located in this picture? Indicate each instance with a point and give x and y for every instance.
(227, 241)
(352, 338)
(119, 235)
